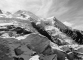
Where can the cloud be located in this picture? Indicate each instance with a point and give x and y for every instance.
(68, 24)
(58, 8)
(14, 5)
(45, 7)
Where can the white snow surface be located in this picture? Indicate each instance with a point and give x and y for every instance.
(36, 57)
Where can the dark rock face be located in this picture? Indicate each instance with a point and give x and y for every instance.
(76, 35)
(18, 51)
(48, 57)
(41, 30)
(12, 30)
(60, 55)
(11, 27)
(17, 58)
(11, 50)
(20, 30)
(5, 52)
(79, 37)
(37, 42)
(1, 12)
(48, 50)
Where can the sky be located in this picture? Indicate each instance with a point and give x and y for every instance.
(68, 11)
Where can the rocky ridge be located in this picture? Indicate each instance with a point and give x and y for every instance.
(27, 35)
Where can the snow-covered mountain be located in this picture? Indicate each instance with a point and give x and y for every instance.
(28, 35)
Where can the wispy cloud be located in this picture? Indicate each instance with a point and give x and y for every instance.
(45, 7)
(68, 24)
(14, 5)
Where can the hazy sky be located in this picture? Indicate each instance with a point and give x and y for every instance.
(68, 11)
